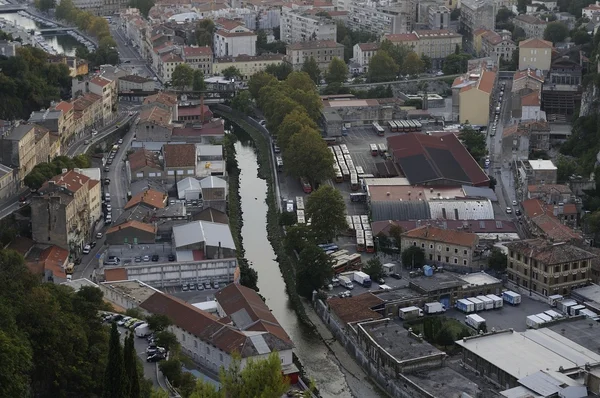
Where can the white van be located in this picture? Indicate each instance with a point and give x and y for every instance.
(107, 197)
(108, 219)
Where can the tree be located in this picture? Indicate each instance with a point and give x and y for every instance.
(413, 257)
(382, 67)
(198, 83)
(337, 72)
(231, 73)
(248, 275)
(114, 377)
(580, 37)
(522, 6)
(455, 14)
(143, 5)
(242, 102)
(326, 209)
(258, 81)
(456, 63)
(130, 368)
(298, 237)
(556, 32)
(497, 260)
(300, 81)
(427, 63)
(503, 15)
(314, 268)
(311, 67)
(412, 65)
(64, 9)
(295, 122)
(397, 52)
(280, 71)
(44, 5)
(167, 340)
(171, 369)
(205, 28)
(276, 107)
(374, 268)
(474, 142)
(158, 322)
(445, 337)
(395, 233)
(307, 156)
(182, 77)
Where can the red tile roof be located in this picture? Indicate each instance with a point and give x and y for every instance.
(435, 33)
(70, 181)
(226, 33)
(535, 43)
(167, 99)
(192, 51)
(171, 57)
(531, 99)
(196, 110)
(368, 46)
(355, 309)
(150, 197)
(435, 234)
(55, 259)
(135, 225)
(64, 106)
(100, 81)
(156, 115)
(179, 155)
(401, 37)
(549, 225)
(486, 83)
(143, 158)
(216, 128)
(115, 274)
(228, 24)
(528, 73)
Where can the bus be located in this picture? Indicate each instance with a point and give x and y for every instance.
(305, 185)
(418, 125)
(279, 164)
(360, 244)
(382, 149)
(339, 177)
(300, 220)
(359, 231)
(344, 149)
(378, 129)
(356, 222)
(358, 197)
(354, 182)
(392, 125)
(299, 203)
(300, 213)
(330, 140)
(350, 225)
(369, 246)
(374, 149)
(339, 253)
(402, 127)
(350, 165)
(345, 173)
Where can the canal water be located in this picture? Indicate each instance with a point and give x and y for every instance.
(318, 363)
(64, 44)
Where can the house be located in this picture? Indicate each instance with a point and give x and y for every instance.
(167, 101)
(297, 25)
(435, 160)
(524, 83)
(548, 268)
(323, 51)
(149, 198)
(500, 47)
(435, 44)
(199, 58)
(210, 161)
(232, 39)
(535, 54)
(212, 239)
(190, 114)
(537, 172)
(209, 133)
(362, 54)
(144, 164)
(550, 221)
(550, 193)
(591, 10)
(562, 91)
(18, 151)
(51, 262)
(442, 246)
(248, 65)
(189, 189)
(531, 107)
(521, 139)
(179, 160)
(132, 232)
(154, 124)
(532, 26)
(136, 83)
(214, 193)
(473, 94)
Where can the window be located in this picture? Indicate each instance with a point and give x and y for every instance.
(510, 265)
(171, 172)
(455, 260)
(183, 336)
(190, 172)
(447, 259)
(439, 257)
(566, 267)
(140, 175)
(431, 246)
(422, 245)
(557, 269)
(221, 357)
(525, 271)
(464, 262)
(179, 172)
(455, 251)
(195, 343)
(207, 349)
(447, 249)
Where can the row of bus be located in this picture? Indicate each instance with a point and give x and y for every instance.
(344, 261)
(360, 227)
(301, 217)
(404, 126)
(344, 167)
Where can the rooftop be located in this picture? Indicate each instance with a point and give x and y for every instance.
(150, 197)
(214, 128)
(401, 37)
(212, 234)
(588, 293)
(135, 289)
(133, 224)
(314, 44)
(18, 132)
(409, 192)
(156, 115)
(167, 99)
(480, 279)
(535, 43)
(531, 99)
(543, 217)
(474, 226)
(580, 331)
(70, 181)
(368, 46)
(530, 19)
(250, 58)
(355, 308)
(115, 274)
(193, 51)
(529, 73)
(136, 79)
(179, 155)
(211, 215)
(549, 253)
(444, 382)
(438, 281)
(143, 158)
(100, 81)
(541, 164)
(431, 233)
(549, 188)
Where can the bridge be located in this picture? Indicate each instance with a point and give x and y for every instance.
(58, 29)
(10, 8)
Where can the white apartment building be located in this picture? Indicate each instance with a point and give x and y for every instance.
(363, 52)
(476, 14)
(323, 51)
(108, 90)
(497, 46)
(232, 39)
(380, 21)
(167, 65)
(199, 58)
(435, 44)
(298, 25)
(93, 6)
(439, 17)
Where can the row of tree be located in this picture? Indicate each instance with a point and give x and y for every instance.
(392, 60)
(42, 172)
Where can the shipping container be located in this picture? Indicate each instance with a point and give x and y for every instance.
(475, 321)
(546, 318)
(574, 310)
(362, 279)
(434, 308)
(498, 303)
(553, 314)
(533, 322)
(465, 306)
(564, 305)
(554, 299)
(589, 314)
(479, 305)
(488, 303)
(511, 297)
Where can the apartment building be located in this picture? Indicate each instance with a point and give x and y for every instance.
(323, 51)
(246, 64)
(154, 124)
(443, 246)
(87, 112)
(93, 6)
(232, 39)
(298, 25)
(167, 65)
(18, 151)
(68, 111)
(435, 44)
(548, 268)
(109, 91)
(562, 91)
(136, 83)
(473, 94)
(499, 47)
(535, 54)
(8, 185)
(475, 14)
(382, 20)
(166, 101)
(199, 58)
(52, 119)
(65, 211)
(438, 17)
(180, 160)
(532, 26)
(363, 52)
(112, 7)
(591, 10)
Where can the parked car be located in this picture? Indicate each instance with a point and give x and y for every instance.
(508, 210)
(171, 257)
(99, 235)
(514, 202)
(192, 286)
(215, 285)
(122, 321)
(156, 357)
(146, 258)
(206, 285)
(155, 257)
(120, 141)
(77, 261)
(185, 287)
(200, 286)
(93, 244)
(138, 259)
(396, 276)
(106, 169)
(112, 260)
(87, 249)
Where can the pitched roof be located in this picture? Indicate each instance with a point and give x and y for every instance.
(211, 215)
(100, 81)
(435, 234)
(179, 155)
(64, 106)
(531, 73)
(435, 33)
(548, 252)
(368, 46)
(212, 234)
(136, 79)
(356, 308)
(143, 158)
(535, 43)
(171, 57)
(193, 51)
(149, 197)
(314, 44)
(542, 216)
(427, 158)
(228, 24)
(486, 83)
(226, 33)
(54, 259)
(530, 19)
(133, 224)
(531, 99)
(549, 188)
(401, 37)
(167, 99)
(71, 181)
(513, 129)
(156, 115)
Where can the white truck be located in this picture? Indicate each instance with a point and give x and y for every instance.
(488, 303)
(553, 314)
(545, 317)
(389, 268)
(511, 297)
(564, 305)
(409, 313)
(479, 305)
(534, 322)
(475, 321)
(465, 306)
(143, 330)
(497, 300)
(434, 308)
(555, 298)
(362, 279)
(345, 282)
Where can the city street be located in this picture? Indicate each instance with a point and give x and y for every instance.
(130, 57)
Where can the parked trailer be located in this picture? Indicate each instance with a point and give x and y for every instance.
(479, 305)
(409, 313)
(498, 303)
(434, 308)
(574, 310)
(465, 306)
(553, 314)
(554, 299)
(589, 314)
(545, 317)
(389, 268)
(488, 303)
(533, 322)
(475, 321)
(563, 306)
(362, 279)
(511, 297)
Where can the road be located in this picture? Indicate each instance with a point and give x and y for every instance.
(79, 146)
(421, 79)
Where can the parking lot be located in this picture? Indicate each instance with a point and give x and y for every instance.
(139, 254)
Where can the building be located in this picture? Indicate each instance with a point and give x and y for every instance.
(66, 210)
(442, 246)
(199, 58)
(535, 54)
(323, 51)
(562, 90)
(49, 262)
(52, 119)
(532, 26)
(179, 160)
(550, 193)
(248, 65)
(548, 268)
(92, 6)
(486, 230)
(208, 133)
(438, 17)
(538, 172)
(18, 151)
(150, 199)
(499, 47)
(233, 39)
(189, 189)
(144, 164)
(136, 83)
(525, 82)
(8, 185)
(154, 124)
(108, 90)
(167, 65)
(473, 93)
(214, 193)
(167, 101)
(435, 44)
(435, 160)
(298, 26)
(132, 232)
(68, 111)
(382, 19)
(551, 221)
(362, 54)
(87, 113)
(191, 114)
(212, 240)
(522, 138)
(591, 10)
(475, 14)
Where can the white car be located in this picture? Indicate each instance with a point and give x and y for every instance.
(508, 210)
(87, 249)
(514, 202)
(290, 206)
(99, 235)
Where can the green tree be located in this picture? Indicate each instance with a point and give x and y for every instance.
(337, 72)
(242, 102)
(374, 268)
(300, 81)
(311, 67)
(413, 256)
(16, 360)
(497, 260)
(427, 63)
(556, 32)
(143, 5)
(382, 67)
(298, 237)
(171, 369)
(280, 71)
(182, 77)
(130, 368)
(114, 377)
(307, 156)
(474, 142)
(167, 340)
(444, 337)
(158, 322)
(248, 275)
(455, 14)
(504, 15)
(412, 65)
(205, 28)
(276, 107)
(397, 52)
(231, 73)
(44, 5)
(198, 83)
(258, 81)
(326, 209)
(395, 233)
(295, 122)
(456, 63)
(580, 37)
(64, 10)
(314, 268)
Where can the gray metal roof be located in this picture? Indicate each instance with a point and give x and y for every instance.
(209, 150)
(461, 209)
(405, 210)
(541, 383)
(212, 234)
(188, 184)
(479, 192)
(213, 182)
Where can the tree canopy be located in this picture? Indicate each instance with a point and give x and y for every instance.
(314, 268)
(456, 63)
(42, 172)
(231, 73)
(412, 64)
(294, 122)
(242, 102)
(497, 260)
(307, 156)
(327, 211)
(258, 81)
(198, 83)
(205, 28)
(556, 32)
(374, 268)
(311, 67)
(182, 77)
(382, 67)
(143, 5)
(474, 141)
(413, 256)
(337, 72)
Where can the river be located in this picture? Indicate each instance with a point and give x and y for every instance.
(318, 363)
(64, 44)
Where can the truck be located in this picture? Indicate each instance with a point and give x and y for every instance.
(409, 313)
(533, 322)
(488, 303)
(142, 330)
(574, 310)
(434, 308)
(553, 314)
(465, 306)
(362, 279)
(479, 306)
(475, 321)
(389, 268)
(564, 305)
(511, 297)
(345, 282)
(589, 314)
(554, 299)
(545, 317)
(497, 300)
